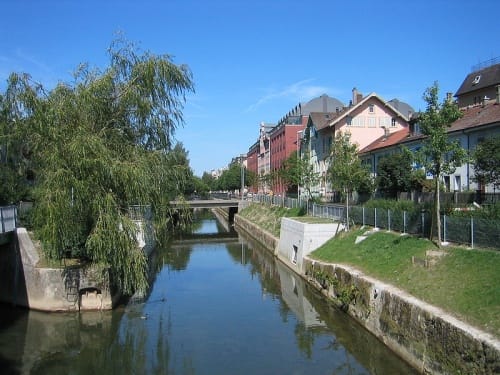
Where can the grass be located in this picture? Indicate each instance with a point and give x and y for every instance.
(465, 283)
(268, 217)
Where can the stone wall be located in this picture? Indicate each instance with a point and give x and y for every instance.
(431, 340)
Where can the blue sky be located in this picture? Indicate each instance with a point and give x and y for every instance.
(253, 61)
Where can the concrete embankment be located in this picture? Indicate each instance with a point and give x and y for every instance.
(425, 336)
(24, 283)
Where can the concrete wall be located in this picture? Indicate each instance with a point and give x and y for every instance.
(298, 239)
(24, 283)
(263, 237)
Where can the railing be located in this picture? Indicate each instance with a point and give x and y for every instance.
(8, 218)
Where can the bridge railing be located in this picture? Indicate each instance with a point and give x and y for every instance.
(8, 218)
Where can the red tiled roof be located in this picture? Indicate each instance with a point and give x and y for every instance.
(477, 116)
(387, 141)
(472, 118)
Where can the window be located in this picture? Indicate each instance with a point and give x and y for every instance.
(458, 183)
(294, 254)
(371, 108)
(393, 122)
(348, 120)
(384, 122)
(372, 122)
(476, 80)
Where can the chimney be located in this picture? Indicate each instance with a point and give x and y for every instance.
(324, 102)
(498, 94)
(386, 133)
(356, 96)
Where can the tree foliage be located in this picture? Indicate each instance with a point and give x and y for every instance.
(98, 145)
(439, 155)
(394, 173)
(346, 173)
(487, 162)
(298, 172)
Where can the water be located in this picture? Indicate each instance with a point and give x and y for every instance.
(216, 306)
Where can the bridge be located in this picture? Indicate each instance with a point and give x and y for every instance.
(208, 203)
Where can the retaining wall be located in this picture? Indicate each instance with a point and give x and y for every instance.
(24, 283)
(426, 337)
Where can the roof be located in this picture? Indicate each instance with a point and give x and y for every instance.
(387, 141)
(476, 116)
(320, 120)
(401, 107)
(323, 103)
(480, 79)
(472, 118)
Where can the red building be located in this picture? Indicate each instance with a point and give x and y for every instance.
(277, 142)
(284, 139)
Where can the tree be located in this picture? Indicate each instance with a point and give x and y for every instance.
(298, 172)
(97, 146)
(486, 158)
(394, 173)
(439, 155)
(346, 173)
(230, 179)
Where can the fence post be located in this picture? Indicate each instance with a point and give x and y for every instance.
(423, 222)
(363, 215)
(389, 219)
(472, 232)
(444, 228)
(1, 219)
(375, 216)
(404, 222)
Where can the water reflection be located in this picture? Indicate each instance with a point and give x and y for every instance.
(221, 306)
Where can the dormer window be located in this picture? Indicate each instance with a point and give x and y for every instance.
(476, 80)
(371, 108)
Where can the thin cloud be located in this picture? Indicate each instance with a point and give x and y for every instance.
(299, 91)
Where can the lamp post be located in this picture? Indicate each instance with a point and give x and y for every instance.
(242, 176)
(298, 164)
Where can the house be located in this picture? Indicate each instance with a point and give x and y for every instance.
(277, 142)
(480, 85)
(480, 120)
(365, 119)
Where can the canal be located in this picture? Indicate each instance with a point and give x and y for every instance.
(218, 304)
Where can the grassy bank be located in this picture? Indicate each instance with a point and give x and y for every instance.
(465, 283)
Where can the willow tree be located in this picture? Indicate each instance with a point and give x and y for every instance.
(439, 155)
(100, 144)
(346, 173)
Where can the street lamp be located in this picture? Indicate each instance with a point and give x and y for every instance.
(242, 175)
(298, 163)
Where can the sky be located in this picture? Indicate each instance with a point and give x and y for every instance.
(254, 61)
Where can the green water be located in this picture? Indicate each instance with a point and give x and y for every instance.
(216, 306)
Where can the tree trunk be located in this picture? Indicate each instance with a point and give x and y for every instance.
(347, 210)
(438, 212)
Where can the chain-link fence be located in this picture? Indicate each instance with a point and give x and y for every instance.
(473, 232)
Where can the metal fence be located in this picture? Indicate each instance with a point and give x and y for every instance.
(473, 232)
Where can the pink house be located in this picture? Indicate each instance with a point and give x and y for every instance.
(365, 119)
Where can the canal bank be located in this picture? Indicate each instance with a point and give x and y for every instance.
(429, 339)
